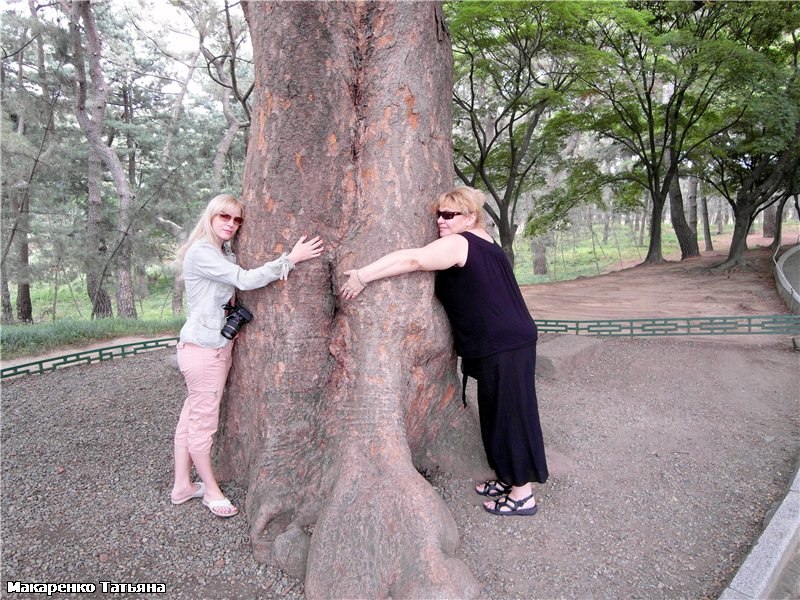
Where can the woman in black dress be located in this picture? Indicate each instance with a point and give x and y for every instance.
(494, 334)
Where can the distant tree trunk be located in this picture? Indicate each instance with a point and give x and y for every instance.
(7, 315)
(506, 232)
(721, 215)
(220, 64)
(694, 183)
(340, 403)
(778, 233)
(126, 303)
(539, 255)
(686, 238)
(709, 246)
(23, 304)
(91, 121)
(95, 248)
(20, 206)
(654, 254)
(166, 155)
(608, 221)
(768, 227)
(180, 235)
(177, 108)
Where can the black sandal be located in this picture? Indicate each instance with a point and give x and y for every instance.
(494, 488)
(513, 505)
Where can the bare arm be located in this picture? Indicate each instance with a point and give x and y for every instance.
(441, 254)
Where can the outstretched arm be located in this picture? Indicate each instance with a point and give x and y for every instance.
(441, 254)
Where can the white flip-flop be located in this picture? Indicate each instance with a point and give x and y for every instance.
(218, 506)
(201, 491)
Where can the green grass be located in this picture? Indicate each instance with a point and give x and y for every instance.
(72, 301)
(570, 259)
(28, 340)
(72, 325)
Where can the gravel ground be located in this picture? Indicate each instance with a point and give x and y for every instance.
(665, 458)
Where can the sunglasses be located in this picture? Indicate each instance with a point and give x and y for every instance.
(226, 217)
(447, 214)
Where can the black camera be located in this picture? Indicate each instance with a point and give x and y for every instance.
(236, 319)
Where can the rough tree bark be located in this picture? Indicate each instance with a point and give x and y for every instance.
(332, 408)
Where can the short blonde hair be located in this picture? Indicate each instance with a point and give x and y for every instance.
(223, 203)
(466, 199)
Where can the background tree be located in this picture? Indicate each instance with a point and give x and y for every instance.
(510, 70)
(90, 110)
(755, 163)
(342, 403)
(662, 68)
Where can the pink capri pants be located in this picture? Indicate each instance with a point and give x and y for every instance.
(205, 371)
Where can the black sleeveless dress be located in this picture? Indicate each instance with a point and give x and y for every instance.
(496, 338)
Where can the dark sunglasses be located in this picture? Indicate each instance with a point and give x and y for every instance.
(446, 214)
(226, 217)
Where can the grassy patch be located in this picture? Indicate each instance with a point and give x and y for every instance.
(25, 340)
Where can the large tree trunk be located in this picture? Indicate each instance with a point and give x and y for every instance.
(333, 407)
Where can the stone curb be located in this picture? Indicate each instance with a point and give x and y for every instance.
(761, 570)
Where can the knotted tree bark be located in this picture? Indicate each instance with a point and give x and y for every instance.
(333, 408)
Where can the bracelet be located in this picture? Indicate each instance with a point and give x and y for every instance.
(363, 285)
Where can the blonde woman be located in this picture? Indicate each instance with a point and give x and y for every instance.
(493, 333)
(212, 277)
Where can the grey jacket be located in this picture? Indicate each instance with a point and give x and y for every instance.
(211, 278)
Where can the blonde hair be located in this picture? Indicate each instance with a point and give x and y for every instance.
(223, 203)
(466, 199)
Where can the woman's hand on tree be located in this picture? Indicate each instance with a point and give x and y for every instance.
(306, 250)
(353, 286)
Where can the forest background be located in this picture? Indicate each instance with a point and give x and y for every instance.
(602, 132)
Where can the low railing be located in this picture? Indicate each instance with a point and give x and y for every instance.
(766, 324)
(87, 357)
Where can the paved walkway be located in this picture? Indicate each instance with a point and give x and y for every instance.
(791, 269)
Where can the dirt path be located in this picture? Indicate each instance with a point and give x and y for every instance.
(688, 288)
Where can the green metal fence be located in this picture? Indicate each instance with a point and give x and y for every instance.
(87, 357)
(765, 324)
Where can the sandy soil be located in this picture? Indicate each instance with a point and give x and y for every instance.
(688, 288)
